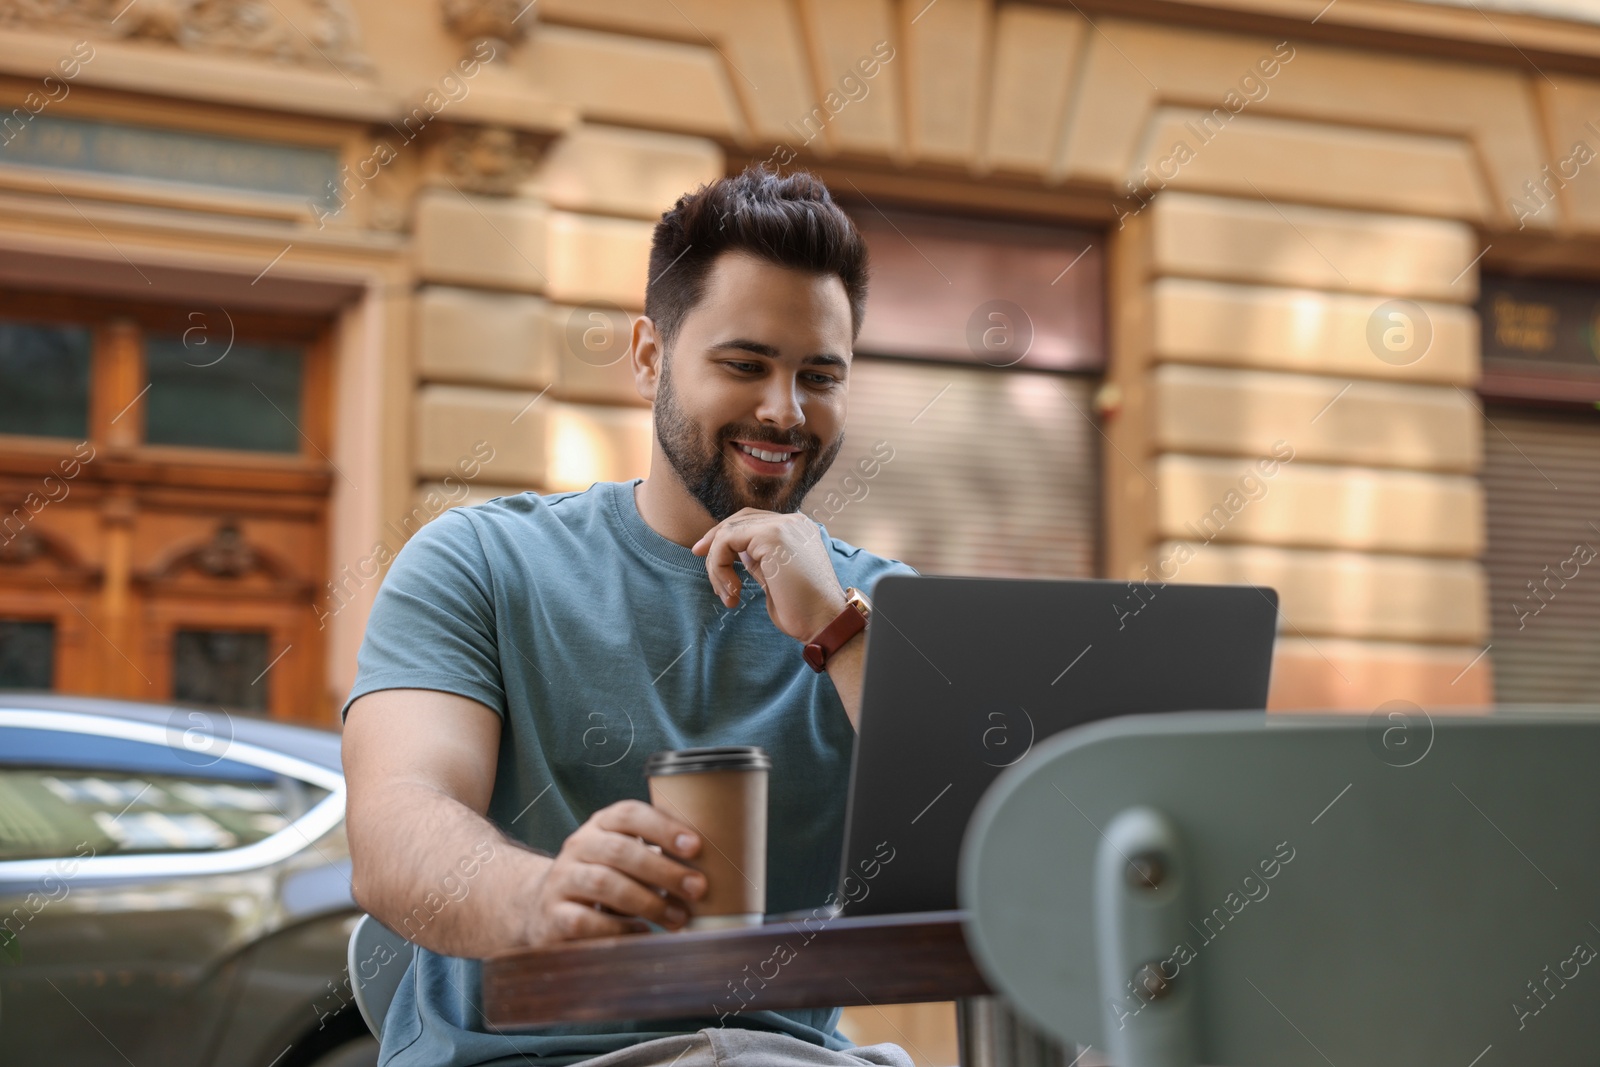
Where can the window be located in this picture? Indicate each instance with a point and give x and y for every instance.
(63, 794)
(1541, 482)
(148, 374)
(979, 471)
(971, 446)
(44, 368)
(243, 397)
(164, 496)
(991, 293)
(222, 667)
(27, 654)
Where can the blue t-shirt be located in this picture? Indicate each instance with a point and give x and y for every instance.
(598, 641)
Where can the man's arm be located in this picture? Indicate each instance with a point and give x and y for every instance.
(420, 768)
(846, 668)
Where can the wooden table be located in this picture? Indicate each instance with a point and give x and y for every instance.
(815, 962)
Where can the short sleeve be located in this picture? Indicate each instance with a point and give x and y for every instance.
(433, 622)
(885, 568)
(860, 568)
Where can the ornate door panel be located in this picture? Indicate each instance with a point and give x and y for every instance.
(163, 502)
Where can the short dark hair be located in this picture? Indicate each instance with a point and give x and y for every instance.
(788, 220)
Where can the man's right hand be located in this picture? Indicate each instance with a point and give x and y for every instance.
(608, 862)
(420, 767)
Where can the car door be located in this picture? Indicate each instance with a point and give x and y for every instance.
(134, 871)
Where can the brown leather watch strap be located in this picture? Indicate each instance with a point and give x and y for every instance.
(849, 622)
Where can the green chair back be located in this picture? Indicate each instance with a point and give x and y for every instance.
(1237, 888)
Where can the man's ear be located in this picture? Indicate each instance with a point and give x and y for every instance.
(644, 350)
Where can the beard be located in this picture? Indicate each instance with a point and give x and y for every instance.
(702, 463)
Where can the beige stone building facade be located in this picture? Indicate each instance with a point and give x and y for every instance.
(463, 193)
(1278, 214)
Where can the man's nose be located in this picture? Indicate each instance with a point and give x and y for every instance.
(780, 403)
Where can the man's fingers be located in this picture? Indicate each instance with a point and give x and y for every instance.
(735, 538)
(651, 823)
(636, 860)
(574, 921)
(596, 883)
(726, 544)
(736, 517)
(755, 570)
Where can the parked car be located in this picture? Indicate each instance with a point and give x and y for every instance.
(174, 889)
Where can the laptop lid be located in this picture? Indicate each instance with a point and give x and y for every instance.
(964, 675)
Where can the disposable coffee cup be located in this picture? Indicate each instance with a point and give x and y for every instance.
(721, 794)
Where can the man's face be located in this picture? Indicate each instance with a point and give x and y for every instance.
(760, 363)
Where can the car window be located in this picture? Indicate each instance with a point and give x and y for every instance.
(62, 793)
(33, 746)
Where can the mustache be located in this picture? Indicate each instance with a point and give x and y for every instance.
(804, 442)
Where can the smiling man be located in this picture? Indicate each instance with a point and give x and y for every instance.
(525, 656)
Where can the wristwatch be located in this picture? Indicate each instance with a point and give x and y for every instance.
(849, 622)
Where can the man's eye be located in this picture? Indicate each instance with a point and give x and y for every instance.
(746, 367)
(822, 379)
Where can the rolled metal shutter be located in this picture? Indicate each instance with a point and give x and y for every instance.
(1542, 491)
(993, 471)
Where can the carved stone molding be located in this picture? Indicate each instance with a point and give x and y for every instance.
(500, 20)
(312, 33)
(487, 159)
(226, 555)
(24, 548)
(34, 553)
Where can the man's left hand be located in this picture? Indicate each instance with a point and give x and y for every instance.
(786, 555)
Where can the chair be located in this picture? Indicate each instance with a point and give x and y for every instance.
(1234, 888)
(377, 958)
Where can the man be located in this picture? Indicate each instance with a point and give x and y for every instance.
(526, 655)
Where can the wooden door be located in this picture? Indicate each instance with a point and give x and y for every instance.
(164, 480)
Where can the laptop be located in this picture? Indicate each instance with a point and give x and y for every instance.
(964, 676)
